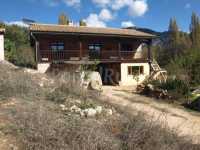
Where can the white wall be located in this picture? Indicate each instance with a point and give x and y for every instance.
(127, 80)
(43, 67)
(1, 47)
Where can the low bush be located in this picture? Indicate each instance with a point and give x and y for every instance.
(45, 127)
(16, 83)
(175, 88)
(179, 88)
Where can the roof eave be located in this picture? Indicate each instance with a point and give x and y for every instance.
(93, 34)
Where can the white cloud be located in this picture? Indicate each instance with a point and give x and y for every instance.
(18, 23)
(187, 6)
(138, 8)
(118, 4)
(126, 24)
(105, 15)
(72, 2)
(102, 3)
(53, 3)
(93, 20)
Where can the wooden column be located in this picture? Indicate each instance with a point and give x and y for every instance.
(37, 55)
(150, 59)
(80, 48)
(149, 43)
(119, 49)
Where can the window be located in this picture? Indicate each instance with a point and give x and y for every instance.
(57, 46)
(135, 70)
(126, 47)
(95, 47)
(94, 51)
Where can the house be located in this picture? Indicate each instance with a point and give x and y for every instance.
(2, 31)
(120, 52)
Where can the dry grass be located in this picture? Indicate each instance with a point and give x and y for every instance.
(15, 83)
(39, 124)
(45, 127)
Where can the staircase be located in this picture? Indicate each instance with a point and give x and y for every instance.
(157, 72)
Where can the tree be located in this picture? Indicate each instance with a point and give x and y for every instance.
(174, 37)
(195, 31)
(63, 19)
(17, 46)
(82, 23)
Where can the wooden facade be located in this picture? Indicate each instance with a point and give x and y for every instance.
(76, 48)
(78, 45)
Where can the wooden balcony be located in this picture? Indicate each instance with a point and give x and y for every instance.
(76, 55)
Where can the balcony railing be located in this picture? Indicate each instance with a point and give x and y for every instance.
(66, 55)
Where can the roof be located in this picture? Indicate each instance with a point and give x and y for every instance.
(88, 30)
(2, 30)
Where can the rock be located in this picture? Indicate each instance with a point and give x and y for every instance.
(93, 80)
(31, 71)
(77, 101)
(63, 107)
(150, 86)
(90, 112)
(75, 109)
(99, 109)
(109, 112)
(82, 114)
(41, 84)
(196, 92)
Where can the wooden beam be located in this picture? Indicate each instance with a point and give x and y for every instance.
(37, 56)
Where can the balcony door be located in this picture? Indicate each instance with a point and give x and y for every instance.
(94, 50)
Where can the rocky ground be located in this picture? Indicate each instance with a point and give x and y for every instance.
(185, 121)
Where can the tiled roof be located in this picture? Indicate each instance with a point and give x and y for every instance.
(88, 30)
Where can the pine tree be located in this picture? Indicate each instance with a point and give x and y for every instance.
(63, 19)
(195, 31)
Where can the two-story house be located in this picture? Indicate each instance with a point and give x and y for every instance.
(119, 51)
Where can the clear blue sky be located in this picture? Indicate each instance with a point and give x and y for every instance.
(154, 14)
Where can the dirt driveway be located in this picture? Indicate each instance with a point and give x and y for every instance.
(185, 122)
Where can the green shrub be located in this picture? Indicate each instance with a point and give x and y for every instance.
(17, 46)
(178, 89)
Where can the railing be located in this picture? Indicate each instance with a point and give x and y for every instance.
(65, 55)
(46, 55)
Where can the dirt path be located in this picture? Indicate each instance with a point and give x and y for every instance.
(185, 122)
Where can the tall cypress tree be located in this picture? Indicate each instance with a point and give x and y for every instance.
(195, 31)
(174, 37)
(63, 19)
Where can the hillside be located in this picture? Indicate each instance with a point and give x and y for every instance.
(38, 113)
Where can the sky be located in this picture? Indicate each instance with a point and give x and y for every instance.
(153, 14)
